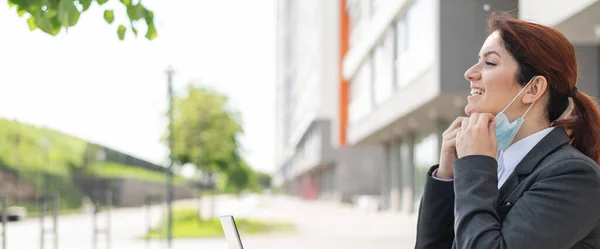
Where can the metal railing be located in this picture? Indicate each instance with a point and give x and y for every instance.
(149, 201)
(50, 201)
(98, 231)
(4, 220)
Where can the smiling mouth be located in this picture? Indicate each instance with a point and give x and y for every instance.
(477, 92)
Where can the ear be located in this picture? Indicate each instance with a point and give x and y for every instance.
(536, 90)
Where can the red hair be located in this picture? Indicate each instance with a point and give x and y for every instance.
(542, 50)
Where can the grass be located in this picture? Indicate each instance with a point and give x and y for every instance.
(116, 170)
(187, 225)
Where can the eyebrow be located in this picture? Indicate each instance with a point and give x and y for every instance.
(490, 52)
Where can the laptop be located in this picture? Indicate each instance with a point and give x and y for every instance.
(231, 232)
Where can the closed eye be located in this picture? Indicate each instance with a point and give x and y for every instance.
(489, 63)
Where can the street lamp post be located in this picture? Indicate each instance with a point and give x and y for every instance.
(170, 71)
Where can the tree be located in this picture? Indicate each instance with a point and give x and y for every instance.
(206, 134)
(263, 180)
(51, 16)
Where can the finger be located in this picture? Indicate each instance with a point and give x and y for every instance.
(463, 126)
(452, 141)
(473, 119)
(456, 140)
(490, 116)
(455, 124)
(484, 120)
(453, 133)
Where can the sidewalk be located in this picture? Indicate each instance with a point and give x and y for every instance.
(320, 225)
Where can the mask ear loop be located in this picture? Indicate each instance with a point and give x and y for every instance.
(528, 109)
(519, 94)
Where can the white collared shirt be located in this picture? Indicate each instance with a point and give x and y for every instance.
(512, 156)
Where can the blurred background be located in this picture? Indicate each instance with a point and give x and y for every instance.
(130, 124)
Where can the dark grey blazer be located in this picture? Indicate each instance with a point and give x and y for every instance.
(551, 200)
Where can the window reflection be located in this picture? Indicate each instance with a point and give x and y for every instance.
(425, 156)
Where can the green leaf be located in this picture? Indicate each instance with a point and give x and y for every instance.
(63, 11)
(149, 17)
(44, 24)
(109, 16)
(151, 32)
(21, 12)
(16, 3)
(31, 23)
(74, 15)
(55, 26)
(51, 13)
(68, 14)
(135, 32)
(85, 4)
(121, 32)
(126, 2)
(101, 2)
(135, 12)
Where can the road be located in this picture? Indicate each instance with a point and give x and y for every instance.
(319, 225)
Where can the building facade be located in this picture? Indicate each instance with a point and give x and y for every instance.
(306, 58)
(311, 163)
(401, 82)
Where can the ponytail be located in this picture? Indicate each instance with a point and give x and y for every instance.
(583, 125)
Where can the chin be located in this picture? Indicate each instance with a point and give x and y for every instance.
(469, 110)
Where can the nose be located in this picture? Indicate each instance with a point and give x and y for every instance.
(473, 73)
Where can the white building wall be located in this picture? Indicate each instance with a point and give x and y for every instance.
(311, 27)
(551, 12)
(391, 65)
(330, 51)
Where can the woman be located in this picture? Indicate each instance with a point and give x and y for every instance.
(521, 171)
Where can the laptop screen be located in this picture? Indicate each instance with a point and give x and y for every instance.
(231, 233)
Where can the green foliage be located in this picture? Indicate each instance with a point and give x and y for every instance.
(51, 16)
(206, 135)
(109, 16)
(21, 149)
(204, 130)
(117, 170)
(66, 159)
(186, 224)
(263, 180)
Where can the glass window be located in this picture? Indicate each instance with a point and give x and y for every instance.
(401, 47)
(401, 37)
(378, 5)
(421, 33)
(383, 60)
(360, 91)
(415, 44)
(354, 10)
(425, 155)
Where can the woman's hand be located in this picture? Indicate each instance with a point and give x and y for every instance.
(448, 151)
(477, 136)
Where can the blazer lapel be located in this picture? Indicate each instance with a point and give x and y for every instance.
(556, 138)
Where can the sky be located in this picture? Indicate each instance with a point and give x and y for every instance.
(87, 83)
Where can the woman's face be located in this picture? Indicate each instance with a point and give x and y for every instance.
(493, 79)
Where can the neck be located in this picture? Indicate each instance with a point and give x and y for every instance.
(530, 126)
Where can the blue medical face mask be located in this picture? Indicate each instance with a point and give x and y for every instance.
(505, 130)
